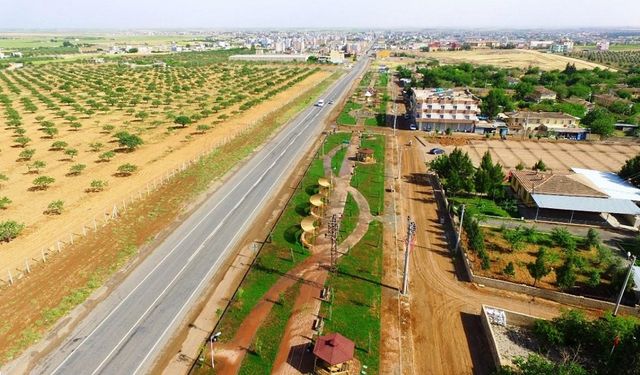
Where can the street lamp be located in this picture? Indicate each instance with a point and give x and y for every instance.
(212, 339)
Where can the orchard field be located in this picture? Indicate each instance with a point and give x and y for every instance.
(77, 138)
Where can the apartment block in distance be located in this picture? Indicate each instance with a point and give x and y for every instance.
(438, 110)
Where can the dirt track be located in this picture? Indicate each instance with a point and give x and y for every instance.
(444, 323)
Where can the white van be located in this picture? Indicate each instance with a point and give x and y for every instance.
(320, 103)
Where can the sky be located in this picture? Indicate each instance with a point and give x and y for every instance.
(281, 14)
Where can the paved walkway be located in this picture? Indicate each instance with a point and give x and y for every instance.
(312, 273)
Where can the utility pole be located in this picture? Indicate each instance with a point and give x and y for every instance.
(459, 230)
(411, 231)
(333, 229)
(624, 285)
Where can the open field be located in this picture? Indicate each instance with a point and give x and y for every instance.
(24, 41)
(35, 303)
(87, 104)
(508, 59)
(558, 156)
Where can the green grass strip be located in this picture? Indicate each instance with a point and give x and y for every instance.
(357, 290)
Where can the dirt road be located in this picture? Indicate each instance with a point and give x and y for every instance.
(442, 312)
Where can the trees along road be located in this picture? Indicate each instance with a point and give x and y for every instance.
(126, 331)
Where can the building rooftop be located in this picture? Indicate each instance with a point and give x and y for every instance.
(548, 183)
(611, 184)
(586, 204)
(334, 349)
(539, 114)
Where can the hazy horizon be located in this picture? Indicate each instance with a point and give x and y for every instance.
(328, 14)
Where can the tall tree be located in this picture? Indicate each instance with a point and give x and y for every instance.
(495, 102)
(540, 268)
(631, 170)
(456, 170)
(600, 121)
(489, 177)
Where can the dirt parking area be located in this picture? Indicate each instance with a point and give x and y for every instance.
(558, 156)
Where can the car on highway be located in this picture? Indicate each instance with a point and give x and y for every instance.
(436, 151)
(320, 103)
(330, 101)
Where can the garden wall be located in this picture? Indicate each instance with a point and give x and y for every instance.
(563, 298)
(512, 319)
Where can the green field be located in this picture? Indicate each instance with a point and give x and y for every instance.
(355, 308)
(369, 178)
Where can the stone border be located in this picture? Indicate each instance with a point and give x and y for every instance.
(513, 319)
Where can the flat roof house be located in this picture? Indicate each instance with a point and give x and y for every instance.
(530, 122)
(541, 93)
(438, 110)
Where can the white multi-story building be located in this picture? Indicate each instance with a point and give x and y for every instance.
(438, 110)
(602, 45)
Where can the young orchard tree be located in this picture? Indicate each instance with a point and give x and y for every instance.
(3, 178)
(540, 268)
(203, 128)
(97, 185)
(107, 156)
(50, 132)
(128, 140)
(55, 207)
(58, 145)
(27, 154)
(71, 153)
(36, 166)
(108, 128)
(127, 169)
(43, 182)
(20, 131)
(23, 141)
(75, 125)
(9, 230)
(4, 202)
(182, 120)
(142, 115)
(96, 146)
(76, 169)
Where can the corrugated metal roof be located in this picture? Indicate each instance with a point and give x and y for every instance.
(586, 204)
(611, 184)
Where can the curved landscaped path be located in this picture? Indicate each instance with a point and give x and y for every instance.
(312, 273)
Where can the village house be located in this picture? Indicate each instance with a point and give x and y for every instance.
(541, 93)
(529, 122)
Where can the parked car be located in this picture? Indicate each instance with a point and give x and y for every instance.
(436, 151)
(413, 127)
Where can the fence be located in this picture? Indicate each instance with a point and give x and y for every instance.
(69, 234)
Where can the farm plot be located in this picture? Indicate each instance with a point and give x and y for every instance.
(558, 156)
(91, 135)
(509, 59)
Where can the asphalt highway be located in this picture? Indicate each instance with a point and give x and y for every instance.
(125, 332)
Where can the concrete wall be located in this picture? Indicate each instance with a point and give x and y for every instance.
(563, 298)
(513, 319)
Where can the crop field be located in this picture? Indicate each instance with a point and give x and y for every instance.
(621, 58)
(508, 59)
(77, 138)
(558, 156)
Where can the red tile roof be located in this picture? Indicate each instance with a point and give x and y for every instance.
(334, 349)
